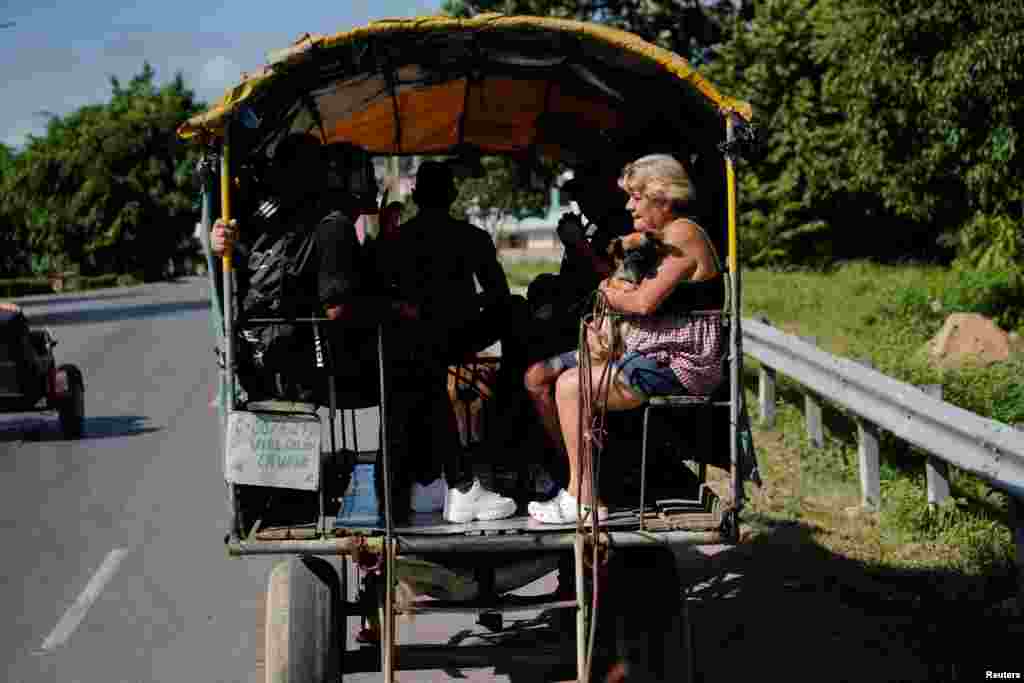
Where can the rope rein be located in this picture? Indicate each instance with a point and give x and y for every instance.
(591, 433)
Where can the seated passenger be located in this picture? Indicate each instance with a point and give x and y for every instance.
(334, 276)
(390, 218)
(558, 301)
(675, 343)
(299, 257)
(435, 262)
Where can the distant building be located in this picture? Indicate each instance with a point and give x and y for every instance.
(536, 236)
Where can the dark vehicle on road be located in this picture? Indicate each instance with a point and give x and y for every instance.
(31, 380)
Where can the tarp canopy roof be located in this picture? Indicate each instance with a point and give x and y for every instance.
(497, 84)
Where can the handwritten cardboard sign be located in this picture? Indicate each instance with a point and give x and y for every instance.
(265, 449)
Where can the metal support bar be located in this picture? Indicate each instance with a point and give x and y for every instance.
(428, 545)
(228, 291)
(388, 627)
(868, 461)
(812, 410)
(581, 607)
(227, 267)
(735, 324)
(448, 607)
(643, 465)
(766, 395)
(936, 470)
(867, 456)
(1017, 529)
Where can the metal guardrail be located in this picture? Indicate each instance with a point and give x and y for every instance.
(987, 448)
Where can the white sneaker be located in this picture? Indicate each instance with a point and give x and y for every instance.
(562, 510)
(429, 498)
(477, 503)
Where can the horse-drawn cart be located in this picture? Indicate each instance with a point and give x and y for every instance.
(529, 88)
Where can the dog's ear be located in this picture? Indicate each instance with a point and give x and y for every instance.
(615, 248)
(634, 240)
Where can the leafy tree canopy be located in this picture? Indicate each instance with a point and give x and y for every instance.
(890, 128)
(687, 27)
(501, 192)
(108, 187)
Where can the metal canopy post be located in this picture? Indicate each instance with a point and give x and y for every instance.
(227, 267)
(205, 171)
(735, 336)
(228, 289)
(390, 547)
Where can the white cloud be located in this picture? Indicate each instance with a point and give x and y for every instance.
(218, 74)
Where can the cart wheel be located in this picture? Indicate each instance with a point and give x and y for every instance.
(303, 622)
(71, 410)
(642, 625)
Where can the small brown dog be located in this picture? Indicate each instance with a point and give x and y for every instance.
(637, 256)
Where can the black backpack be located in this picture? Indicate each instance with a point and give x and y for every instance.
(277, 361)
(282, 278)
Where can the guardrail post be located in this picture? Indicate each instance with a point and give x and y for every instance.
(868, 460)
(812, 411)
(766, 388)
(1017, 528)
(936, 470)
(766, 395)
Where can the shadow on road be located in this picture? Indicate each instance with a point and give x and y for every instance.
(103, 315)
(46, 427)
(120, 425)
(782, 604)
(93, 295)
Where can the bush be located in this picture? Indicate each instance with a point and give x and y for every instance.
(127, 280)
(10, 289)
(99, 281)
(994, 294)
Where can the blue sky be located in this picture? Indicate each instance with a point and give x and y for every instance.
(59, 54)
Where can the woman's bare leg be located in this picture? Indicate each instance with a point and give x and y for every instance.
(567, 398)
(540, 380)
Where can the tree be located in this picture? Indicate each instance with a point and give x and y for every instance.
(795, 204)
(687, 27)
(108, 187)
(13, 246)
(933, 117)
(500, 193)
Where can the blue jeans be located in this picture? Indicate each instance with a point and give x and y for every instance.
(641, 374)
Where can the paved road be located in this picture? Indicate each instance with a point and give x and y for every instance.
(114, 566)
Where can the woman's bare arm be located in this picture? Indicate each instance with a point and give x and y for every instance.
(689, 259)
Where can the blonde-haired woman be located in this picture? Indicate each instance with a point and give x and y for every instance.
(674, 343)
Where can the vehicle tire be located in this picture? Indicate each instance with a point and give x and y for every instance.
(71, 410)
(642, 623)
(304, 623)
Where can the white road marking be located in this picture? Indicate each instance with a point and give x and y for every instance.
(73, 617)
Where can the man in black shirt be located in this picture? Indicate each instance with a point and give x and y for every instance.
(437, 262)
(299, 257)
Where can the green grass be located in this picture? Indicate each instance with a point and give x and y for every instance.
(521, 273)
(887, 314)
